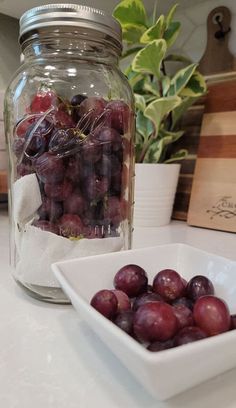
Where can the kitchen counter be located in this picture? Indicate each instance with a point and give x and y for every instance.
(50, 359)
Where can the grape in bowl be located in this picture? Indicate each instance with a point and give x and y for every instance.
(82, 278)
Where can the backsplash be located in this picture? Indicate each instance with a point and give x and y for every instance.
(193, 37)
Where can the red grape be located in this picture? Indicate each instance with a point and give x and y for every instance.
(188, 335)
(161, 345)
(73, 169)
(199, 286)
(74, 203)
(70, 226)
(120, 115)
(146, 298)
(124, 320)
(155, 321)
(123, 300)
(50, 210)
(212, 315)
(183, 301)
(233, 322)
(131, 279)
(184, 316)
(109, 138)
(95, 188)
(42, 101)
(168, 284)
(60, 191)
(94, 104)
(105, 302)
(49, 168)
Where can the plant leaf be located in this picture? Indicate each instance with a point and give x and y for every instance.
(143, 125)
(130, 12)
(170, 15)
(154, 14)
(178, 58)
(159, 108)
(151, 87)
(195, 87)
(148, 60)
(155, 32)
(130, 51)
(165, 85)
(132, 32)
(180, 155)
(181, 109)
(140, 102)
(180, 80)
(173, 136)
(172, 33)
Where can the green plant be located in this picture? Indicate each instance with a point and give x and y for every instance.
(160, 99)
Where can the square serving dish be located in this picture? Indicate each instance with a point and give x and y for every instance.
(165, 373)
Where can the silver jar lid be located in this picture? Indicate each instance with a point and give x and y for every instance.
(73, 15)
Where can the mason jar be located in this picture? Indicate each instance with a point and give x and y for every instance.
(69, 120)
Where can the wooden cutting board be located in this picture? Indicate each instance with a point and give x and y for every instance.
(213, 196)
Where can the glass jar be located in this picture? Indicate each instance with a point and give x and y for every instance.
(70, 129)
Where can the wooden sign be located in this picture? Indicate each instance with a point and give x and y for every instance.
(213, 197)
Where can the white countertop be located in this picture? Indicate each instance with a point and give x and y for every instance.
(50, 359)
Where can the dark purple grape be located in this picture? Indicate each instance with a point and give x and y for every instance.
(49, 168)
(233, 322)
(77, 99)
(188, 335)
(131, 279)
(212, 315)
(74, 204)
(124, 320)
(183, 301)
(155, 321)
(120, 115)
(91, 150)
(50, 210)
(35, 147)
(95, 188)
(146, 298)
(199, 286)
(108, 166)
(18, 146)
(168, 284)
(59, 191)
(24, 169)
(46, 226)
(184, 316)
(64, 141)
(93, 104)
(70, 226)
(75, 102)
(161, 345)
(109, 139)
(123, 300)
(105, 302)
(113, 211)
(73, 169)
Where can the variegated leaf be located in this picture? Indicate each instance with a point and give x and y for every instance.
(159, 108)
(180, 155)
(131, 12)
(148, 60)
(180, 80)
(140, 102)
(155, 32)
(172, 33)
(195, 87)
(170, 15)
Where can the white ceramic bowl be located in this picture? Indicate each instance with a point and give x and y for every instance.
(168, 372)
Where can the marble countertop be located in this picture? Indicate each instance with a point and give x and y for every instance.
(50, 359)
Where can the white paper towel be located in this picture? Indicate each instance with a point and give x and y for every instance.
(26, 198)
(39, 249)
